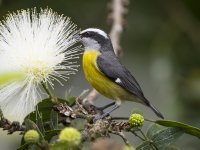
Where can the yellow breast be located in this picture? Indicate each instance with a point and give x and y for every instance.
(99, 81)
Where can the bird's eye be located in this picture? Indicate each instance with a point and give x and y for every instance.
(86, 34)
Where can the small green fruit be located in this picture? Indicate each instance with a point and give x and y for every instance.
(31, 136)
(127, 147)
(71, 136)
(136, 120)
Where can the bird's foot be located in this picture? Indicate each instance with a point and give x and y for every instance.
(106, 106)
(107, 113)
(98, 117)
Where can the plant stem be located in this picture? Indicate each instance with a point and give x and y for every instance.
(153, 121)
(50, 94)
(145, 137)
(138, 136)
(119, 118)
(154, 146)
(121, 134)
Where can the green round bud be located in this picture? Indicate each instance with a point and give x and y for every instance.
(31, 136)
(71, 136)
(136, 120)
(128, 147)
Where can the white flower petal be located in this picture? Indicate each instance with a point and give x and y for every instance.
(18, 100)
(38, 45)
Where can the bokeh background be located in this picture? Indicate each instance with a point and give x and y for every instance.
(161, 47)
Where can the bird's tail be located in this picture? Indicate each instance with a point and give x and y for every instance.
(155, 110)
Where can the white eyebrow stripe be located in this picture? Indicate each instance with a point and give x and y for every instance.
(97, 31)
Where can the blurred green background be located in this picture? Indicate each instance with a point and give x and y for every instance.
(161, 47)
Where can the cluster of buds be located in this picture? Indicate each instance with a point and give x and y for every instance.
(71, 136)
(31, 137)
(128, 147)
(136, 120)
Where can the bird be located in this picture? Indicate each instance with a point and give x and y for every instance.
(105, 72)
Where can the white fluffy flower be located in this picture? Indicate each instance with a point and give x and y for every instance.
(39, 46)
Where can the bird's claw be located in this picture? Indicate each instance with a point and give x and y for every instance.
(98, 117)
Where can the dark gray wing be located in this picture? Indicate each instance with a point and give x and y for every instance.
(111, 67)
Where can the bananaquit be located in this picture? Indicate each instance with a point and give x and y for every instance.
(104, 71)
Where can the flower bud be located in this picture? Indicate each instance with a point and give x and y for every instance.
(71, 136)
(31, 136)
(136, 120)
(128, 147)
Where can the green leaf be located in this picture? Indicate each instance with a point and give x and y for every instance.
(34, 147)
(145, 146)
(68, 93)
(54, 120)
(29, 147)
(153, 129)
(79, 124)
(186, 128)
(23, 147)
(49, 134)
(161, 138)
(31, 125)
(169, 148)
(39, 121)
(59, 146)
(44, 108)
(1, 115)
(8, 77)
(166, 137)
(71, 100)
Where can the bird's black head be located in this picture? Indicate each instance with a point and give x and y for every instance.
(93, 38)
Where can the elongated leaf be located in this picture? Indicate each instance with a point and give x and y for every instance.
(154, 129)
(166, 137)
(1, 115)
(78, 124)
(161, 138)
(169, 148)
(23, 147)
(44, 108)
(49, 134)
(59, 146)
(54, 120)
(39, 122)
(8, 77)
(29, 147)
(34, 147)
(71, 100)
(145, 146)
(31, 125)
(186, 128)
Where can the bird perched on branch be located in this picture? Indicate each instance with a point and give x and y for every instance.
(104, 71)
